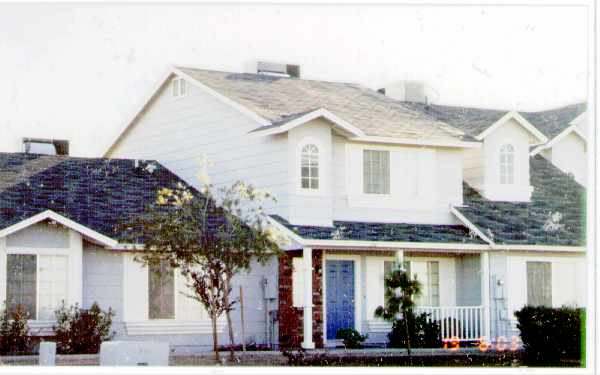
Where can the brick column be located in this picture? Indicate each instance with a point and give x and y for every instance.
(291, 320)
(317, 261)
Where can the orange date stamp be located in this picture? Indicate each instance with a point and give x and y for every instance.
(501, 344)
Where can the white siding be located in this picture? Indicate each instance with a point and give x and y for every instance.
(474, 167)
(424, 182)
(103, 279)
(177, 132)
(568, 279)
(310, 207)
(569, 155)
(40, 235)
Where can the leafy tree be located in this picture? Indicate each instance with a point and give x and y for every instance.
(209, 237)
(400, 290)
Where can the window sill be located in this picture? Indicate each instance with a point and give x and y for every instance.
(172, 327)
(41, 327)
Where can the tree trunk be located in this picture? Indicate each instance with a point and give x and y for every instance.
(230, 326)
(213, 317)
(407, 336)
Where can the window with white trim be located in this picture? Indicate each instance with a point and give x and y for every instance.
(539, 284)
(161, 291)
(428, 274)
(507, 164)
(178, 87)
(309, 167)
(376, 172)
(36, 283)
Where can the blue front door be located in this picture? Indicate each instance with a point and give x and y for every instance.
(340, 296)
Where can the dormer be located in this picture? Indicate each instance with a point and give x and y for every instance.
(504, 158)
(567, 148)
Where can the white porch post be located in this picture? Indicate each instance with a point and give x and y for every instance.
(485, 295)
(399, 254)
(308, 343)
(75, 283)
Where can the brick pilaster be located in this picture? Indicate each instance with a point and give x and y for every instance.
(290, 317)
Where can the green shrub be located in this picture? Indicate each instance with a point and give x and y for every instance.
(14, 332)
(550, 335)
(351, 337)
(81, 331)
(423, 334)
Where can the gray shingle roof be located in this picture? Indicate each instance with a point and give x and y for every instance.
(554, 216)
(277, 99)
(98, 193)
(394, 232)
(473, 121)
(554, 121)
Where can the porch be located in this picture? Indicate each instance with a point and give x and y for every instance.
(333, 289)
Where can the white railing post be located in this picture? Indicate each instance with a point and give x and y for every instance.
(485, 294)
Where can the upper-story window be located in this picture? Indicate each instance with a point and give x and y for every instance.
(309, 167)
(507, 164)
(376, 172)
(178, 86)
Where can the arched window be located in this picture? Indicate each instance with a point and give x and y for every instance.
(309, 167)
(507, 164)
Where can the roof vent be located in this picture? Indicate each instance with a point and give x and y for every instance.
(45, 146)
(278, 69)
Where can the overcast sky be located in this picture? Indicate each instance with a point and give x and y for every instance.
(78, 71)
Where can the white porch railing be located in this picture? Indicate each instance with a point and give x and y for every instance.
(456, 322)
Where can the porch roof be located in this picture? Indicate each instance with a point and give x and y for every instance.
(554, 216)
(384, 232)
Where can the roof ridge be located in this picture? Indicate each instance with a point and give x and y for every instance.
(278, 77)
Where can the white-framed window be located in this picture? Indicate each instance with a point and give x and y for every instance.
(507, 164)
(428, 274)
(161, 291)
(309, 167)
(376, 172)
(539, 284)
(178, 87)
(37, 283)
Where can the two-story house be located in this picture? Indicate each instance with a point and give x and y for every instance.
(365, 182)
(565, 129)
